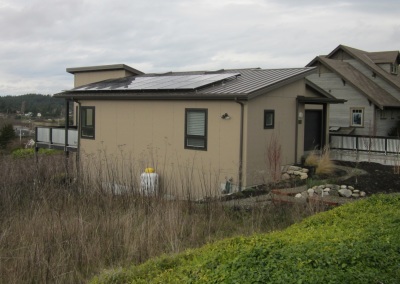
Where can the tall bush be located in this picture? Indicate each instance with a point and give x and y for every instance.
(7, 134)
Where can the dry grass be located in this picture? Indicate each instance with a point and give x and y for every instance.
(312, 159)
(55, 232)
(322, 163)
(325, 164)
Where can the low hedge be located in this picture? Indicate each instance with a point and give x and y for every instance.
(354, 243)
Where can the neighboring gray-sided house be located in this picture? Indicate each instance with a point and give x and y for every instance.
(207, 130)
(370, 83)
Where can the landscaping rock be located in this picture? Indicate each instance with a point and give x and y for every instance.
(299, 195)
(344, 192)
(285, 176)
(294, 168)
(303, 176)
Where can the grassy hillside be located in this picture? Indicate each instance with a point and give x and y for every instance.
(355, 243)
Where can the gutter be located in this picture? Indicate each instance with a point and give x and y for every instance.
(241, 142)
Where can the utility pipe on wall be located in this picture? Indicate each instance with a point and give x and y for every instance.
(241, 143)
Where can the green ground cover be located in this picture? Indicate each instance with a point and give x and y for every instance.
(354, 243)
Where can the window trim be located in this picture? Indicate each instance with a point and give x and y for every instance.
(82, 128)
(266, 112)
(352, 117)
(203, 137)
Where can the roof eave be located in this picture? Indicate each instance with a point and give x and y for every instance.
(123, 95)
(99, 68)
(311, 100)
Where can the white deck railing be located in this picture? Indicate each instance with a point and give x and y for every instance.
(380, 144)
(56, 136)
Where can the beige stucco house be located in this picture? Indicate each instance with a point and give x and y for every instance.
(202, 132)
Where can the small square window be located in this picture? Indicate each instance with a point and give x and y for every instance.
(269, 119)
(357, 117)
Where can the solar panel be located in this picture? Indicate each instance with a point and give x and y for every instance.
(162, 82)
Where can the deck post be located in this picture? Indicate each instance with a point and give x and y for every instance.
(66, 138)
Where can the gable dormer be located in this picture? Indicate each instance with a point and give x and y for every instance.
(387, 60)
(92, 74)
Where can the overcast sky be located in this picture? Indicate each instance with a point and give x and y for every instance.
(39, 39)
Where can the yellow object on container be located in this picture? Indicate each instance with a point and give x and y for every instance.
(149, 170)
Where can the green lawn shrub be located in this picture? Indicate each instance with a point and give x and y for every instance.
(30, 152)
(354, 243)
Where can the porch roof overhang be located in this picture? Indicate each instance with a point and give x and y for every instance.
(312, 100)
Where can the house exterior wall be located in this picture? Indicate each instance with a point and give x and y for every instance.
(386, 119)
(84, 78)
(340, 114)
(283, 101)
(134, 135)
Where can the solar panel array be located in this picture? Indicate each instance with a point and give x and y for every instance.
(163, 82)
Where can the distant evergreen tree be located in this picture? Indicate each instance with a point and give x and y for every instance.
(7, 133)
(46, 105)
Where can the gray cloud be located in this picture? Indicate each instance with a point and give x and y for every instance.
(40, 39)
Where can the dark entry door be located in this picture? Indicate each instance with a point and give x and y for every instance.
(313, 130)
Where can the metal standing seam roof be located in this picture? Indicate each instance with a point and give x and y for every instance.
(346, 71)
(232, 83)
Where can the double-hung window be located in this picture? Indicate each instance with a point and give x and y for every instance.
(88, 122)
(196, 129)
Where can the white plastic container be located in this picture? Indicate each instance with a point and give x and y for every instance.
(149, 182)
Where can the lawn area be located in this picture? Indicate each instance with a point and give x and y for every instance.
(354, 243)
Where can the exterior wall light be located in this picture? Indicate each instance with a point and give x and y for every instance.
(225, 116)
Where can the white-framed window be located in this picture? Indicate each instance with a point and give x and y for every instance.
(357, 117)
(196, 129)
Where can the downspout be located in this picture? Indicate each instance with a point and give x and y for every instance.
(241, 143)
(296, 138)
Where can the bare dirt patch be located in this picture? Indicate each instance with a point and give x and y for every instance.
(379, 178)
